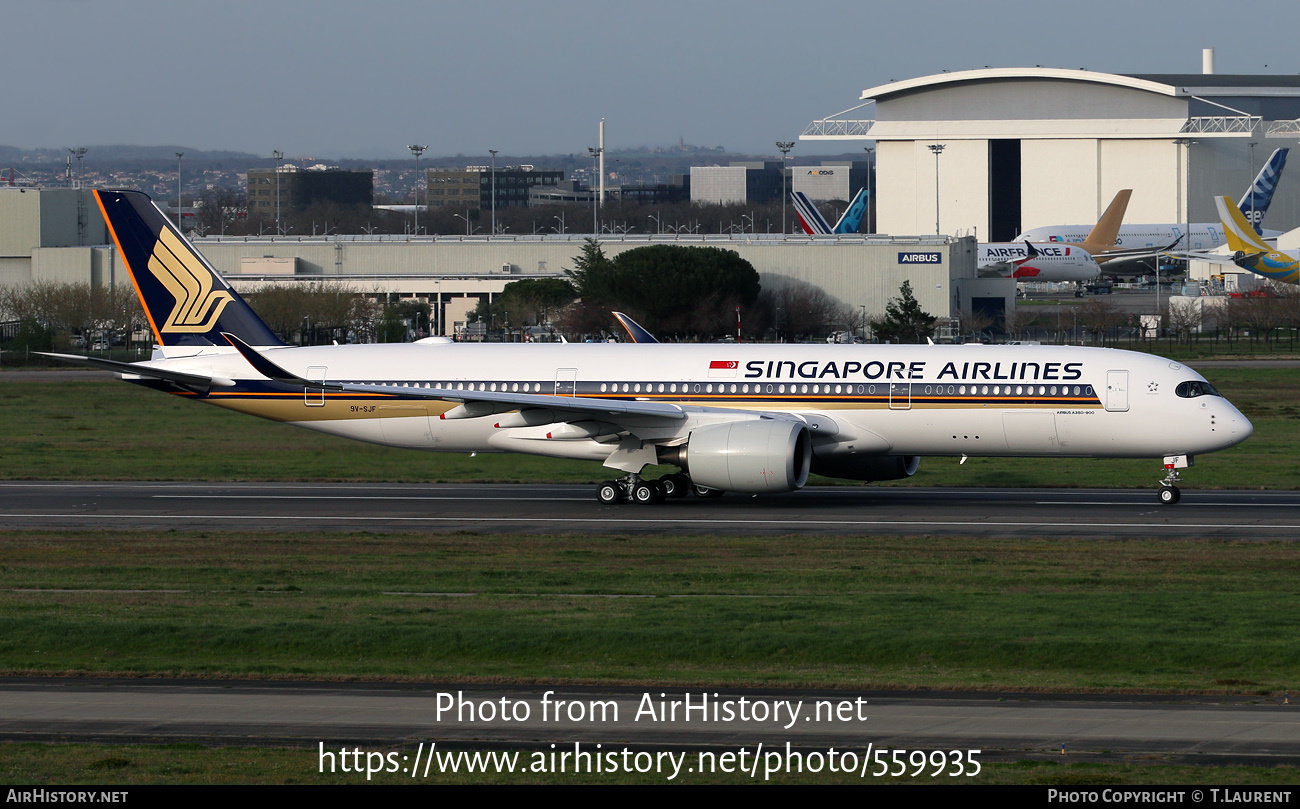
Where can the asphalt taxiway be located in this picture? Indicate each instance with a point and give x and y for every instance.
(330, 507)
(396, 715)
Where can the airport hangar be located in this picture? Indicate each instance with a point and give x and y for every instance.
(58, 235)
(1025, 147)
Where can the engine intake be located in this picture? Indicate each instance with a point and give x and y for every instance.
(762, 455)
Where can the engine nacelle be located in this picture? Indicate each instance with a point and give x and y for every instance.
(763, 455)
(866, 467)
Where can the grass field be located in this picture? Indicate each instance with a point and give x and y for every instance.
(850, 612)
(116, 431)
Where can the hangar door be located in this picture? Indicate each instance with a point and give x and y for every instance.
(1004, 190)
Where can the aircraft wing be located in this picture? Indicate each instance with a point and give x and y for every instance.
(179, 378)
(631, 429)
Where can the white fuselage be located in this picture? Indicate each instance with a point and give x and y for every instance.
(1054, 262)
(866, 399)
(1204, 235)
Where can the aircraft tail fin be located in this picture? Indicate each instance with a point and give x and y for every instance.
(810, 219)
(187, 302)
(851, 221)
(1242, 238)
(1254, 204)
(1106, 231)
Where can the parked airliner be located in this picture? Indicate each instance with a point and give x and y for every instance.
(1202, 235)
(756, 418)
(1021, 260)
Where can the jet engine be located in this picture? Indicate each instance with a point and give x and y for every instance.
(762, 455)
(866, 467)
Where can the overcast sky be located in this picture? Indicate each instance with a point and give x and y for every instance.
(330, 78)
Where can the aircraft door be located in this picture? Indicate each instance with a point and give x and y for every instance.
(900, 396)
(1117, 391)
(566, 381)
(314, 397)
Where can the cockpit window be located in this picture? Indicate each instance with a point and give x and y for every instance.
(1190, 390)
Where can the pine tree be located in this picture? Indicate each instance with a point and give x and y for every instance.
(904, 321)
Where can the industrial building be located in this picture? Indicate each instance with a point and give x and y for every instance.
(454, 273)
(997, 151)
(473, 186)
(290, 189)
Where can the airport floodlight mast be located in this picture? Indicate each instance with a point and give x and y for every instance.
(1253, 221)
(278, 157)
(494, 191)
(179, 155)
(785, 146)
(417, 151)
(78, 153)
(937, 148)
(595, 152)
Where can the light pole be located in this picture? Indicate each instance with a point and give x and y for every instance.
(594, 151)
(179, 155)
(466, 218)
(79, 153)
(1249, 183)
(278, 157)
(494, 191)
(871, 200)
(937, 148)
(785, 146)
(417, 151)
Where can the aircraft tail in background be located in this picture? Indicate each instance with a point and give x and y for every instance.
(1257, 198)
(814, 224)
(1106, 231)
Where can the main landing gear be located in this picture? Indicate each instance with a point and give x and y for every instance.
(636, 490)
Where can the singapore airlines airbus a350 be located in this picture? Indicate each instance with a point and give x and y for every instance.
(734, 418)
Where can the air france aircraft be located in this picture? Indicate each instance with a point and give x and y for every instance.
(1020, 260)
(755, 418)
(1203, 235)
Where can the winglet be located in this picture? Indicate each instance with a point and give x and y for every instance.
(272, 371)
(634, 330)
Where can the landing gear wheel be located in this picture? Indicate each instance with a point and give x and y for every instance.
(1170, 495)
(609, 493)
(705, 491)
(645, 492)
(675, 485)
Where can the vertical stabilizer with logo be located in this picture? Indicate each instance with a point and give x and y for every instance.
(1256, 201)
(851, 221)
(1252, 253)
(186, 301)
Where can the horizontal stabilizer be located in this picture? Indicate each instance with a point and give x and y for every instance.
(188, 380)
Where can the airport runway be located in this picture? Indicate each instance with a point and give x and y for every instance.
(392, 715)
(568, 509)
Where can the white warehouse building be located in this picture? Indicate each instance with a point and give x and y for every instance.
(1026, 147)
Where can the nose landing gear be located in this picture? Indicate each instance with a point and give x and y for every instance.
(1169, 493)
